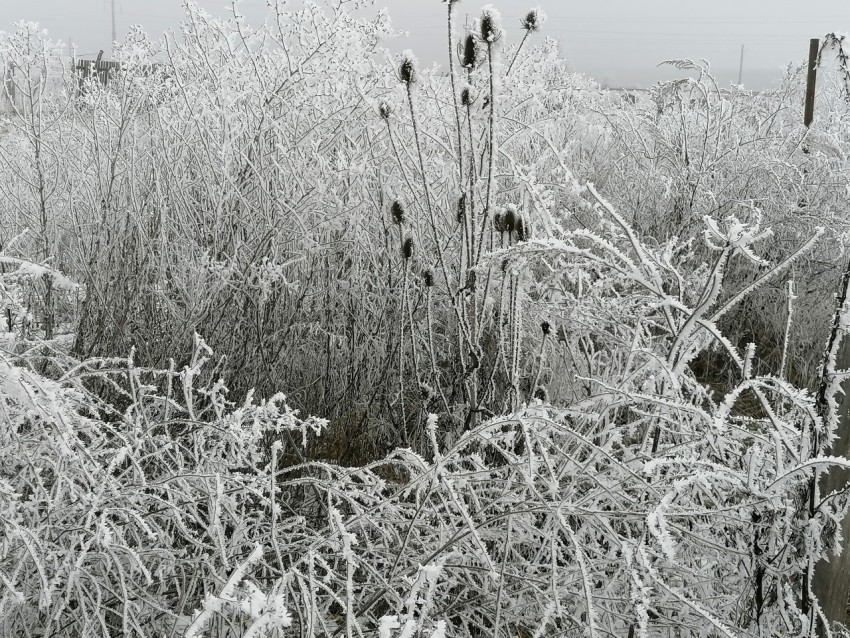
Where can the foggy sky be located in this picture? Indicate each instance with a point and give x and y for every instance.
(618, 41)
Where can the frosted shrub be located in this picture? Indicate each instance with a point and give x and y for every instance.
(113, 522)
(516, 361)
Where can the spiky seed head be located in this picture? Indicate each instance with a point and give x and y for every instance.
(533, 20)
(541, 394)
(524, 228)
(466, 96)
(546, 327)
(521, 230)
(461, 208)
(471, 279)
(407, 68)
(509, 218)
(490, 25)
(499, 222)
(385, 110)
(469, 52)
(398, 213)
(407, 248)
(428, 277)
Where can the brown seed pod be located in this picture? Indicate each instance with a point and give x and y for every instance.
(407, 248)
(466, 96)
(532, 21)
(471, 279)
(461, 208)
(546, 327)
(541, 394)
(524, 229)
(520, 228)
(510, 219)
(499, 222)
(489, 26)
(385, 110)
(469, 52)
(428, 277)
(407, 68)
(398, 213)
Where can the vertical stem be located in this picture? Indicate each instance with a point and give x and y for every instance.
(454, 92)
(492, 149)
(516, 55)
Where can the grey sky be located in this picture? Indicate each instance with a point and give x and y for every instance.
(620, 41)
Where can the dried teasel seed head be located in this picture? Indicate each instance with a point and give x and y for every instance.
(461, 208)
(524, 231)
(490, 25)
(466, 98)
(385, 110)
(471, 280)
(546, 327)
(510, 218)
(469, 52)
(533, 20)
(521, 230)
(428, 277)
(398, 213)
(407, 248)
(499, 222)
(407, 68)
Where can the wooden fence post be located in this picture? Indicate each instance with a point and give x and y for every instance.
(831, 580)
(811, 80)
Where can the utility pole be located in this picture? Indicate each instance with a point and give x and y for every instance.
(114, 36)
(741, 66)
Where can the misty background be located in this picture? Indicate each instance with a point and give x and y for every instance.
(618, 42)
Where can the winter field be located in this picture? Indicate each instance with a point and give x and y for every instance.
(301, 338)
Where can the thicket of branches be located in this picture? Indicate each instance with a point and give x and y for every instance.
(574, 318)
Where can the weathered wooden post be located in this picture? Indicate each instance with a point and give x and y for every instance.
(831, 579)
(811, 80)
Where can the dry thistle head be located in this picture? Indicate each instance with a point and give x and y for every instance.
(407, 68)
(540, 394)
(398, 213)
(533, 20)
(428, 277)
(469, 52)
(546, 327)
(407, 248)
(461, 208)
(385, 110)
(490, 25)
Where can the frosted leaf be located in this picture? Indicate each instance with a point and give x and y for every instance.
(386, 624)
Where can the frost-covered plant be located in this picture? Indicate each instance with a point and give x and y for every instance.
(110, 518)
